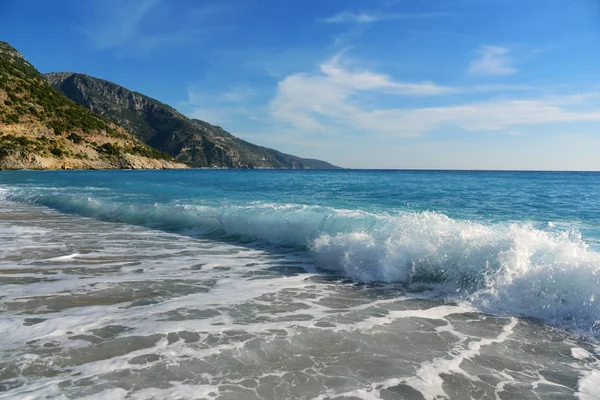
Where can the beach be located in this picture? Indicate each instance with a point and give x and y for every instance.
(103, 297)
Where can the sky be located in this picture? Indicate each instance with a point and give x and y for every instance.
(425, 84)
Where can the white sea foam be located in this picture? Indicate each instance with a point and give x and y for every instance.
(67, 257)
(580, 354)
(428, 379)
(589, 386)
(513, 269)
(292, 326)
(3, 193)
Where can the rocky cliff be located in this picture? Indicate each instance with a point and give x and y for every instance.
(40, 128)
(190, 141)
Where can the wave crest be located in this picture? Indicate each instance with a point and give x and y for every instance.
(511, 269)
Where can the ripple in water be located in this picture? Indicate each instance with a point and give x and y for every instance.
(94, 309)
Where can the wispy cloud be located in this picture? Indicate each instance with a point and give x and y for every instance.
(333, 101)
(235, 104)
(492, 60)
(136, 27)
(303, 100)
(365, 17)
(336, 74)
(238, 95)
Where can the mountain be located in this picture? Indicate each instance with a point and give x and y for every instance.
(190, 141)
(40, 128)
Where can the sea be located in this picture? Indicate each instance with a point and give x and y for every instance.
(264, 284)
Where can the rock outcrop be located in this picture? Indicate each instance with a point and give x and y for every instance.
(190, 141)
(40, 128)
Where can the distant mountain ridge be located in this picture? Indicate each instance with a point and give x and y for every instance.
(40, 128)
(190, 141)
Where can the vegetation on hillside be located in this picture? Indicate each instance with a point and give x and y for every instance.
(37, 119)
(29, 96)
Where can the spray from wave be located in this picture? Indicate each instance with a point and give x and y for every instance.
(511, 269)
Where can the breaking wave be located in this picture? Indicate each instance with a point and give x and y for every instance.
(514, 269)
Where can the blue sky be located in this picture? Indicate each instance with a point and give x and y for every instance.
(461, 84)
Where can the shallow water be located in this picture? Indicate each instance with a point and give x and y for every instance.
(104, 297)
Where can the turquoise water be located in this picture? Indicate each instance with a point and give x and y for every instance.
(537, 197)
(473, 231)
(447, 282)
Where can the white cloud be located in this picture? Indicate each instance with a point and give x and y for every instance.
(493, 60)
(137, 27)
(303, 100)
(492, 115)
(367, 80)
(364, 17)
(120, 23)
(331, 101)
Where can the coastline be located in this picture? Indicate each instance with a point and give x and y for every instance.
(98, 307)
